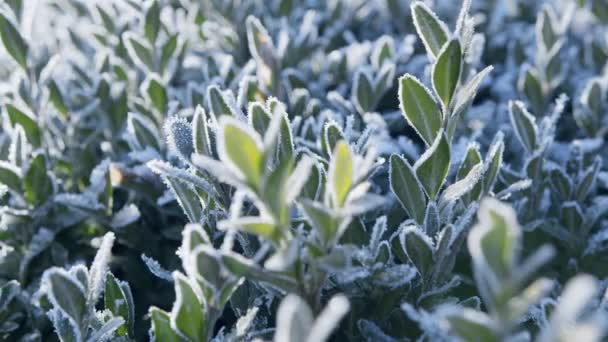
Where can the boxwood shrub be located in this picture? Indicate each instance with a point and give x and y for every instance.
(345, 170)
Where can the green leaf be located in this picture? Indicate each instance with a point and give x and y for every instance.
(419, 250)
(187, 313)
(139, 51)
(187, 198)
(200, 133)
(433, 166)
(286, 148)
(405, 185)
(66, 293)
(446, 71)
(466, 94)
(471, 159)
(167, 51)
(532, 88)
(341, 173)
(242, 149)
(13, 42)
(156, 93)
(524, 124)
(332, 134)
(116, 301)
(161, 326)
(259, 118)
(495, 240)
(364, 97)
(143, 130)
(243, 267)
(27, 121)
(57, 99)
(37, 184)
(561, 183)
(419, 108)
(493, 163)
(258, 226)
(432, 31)
(473, 326)
(152, 22)
(321, 219)
(9, 176)
(218, 104)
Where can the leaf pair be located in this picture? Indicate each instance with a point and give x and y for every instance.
(410, 184)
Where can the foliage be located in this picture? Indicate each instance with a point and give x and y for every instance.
(238, 170)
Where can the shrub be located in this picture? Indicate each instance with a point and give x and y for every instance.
(242, 170)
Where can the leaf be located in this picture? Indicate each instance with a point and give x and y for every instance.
(156, 93)
(471, 325)
(256, 225)
(57, 98)
(143, 130)
(116, 301)
(187, 313)
(531, 86)
(99, 268)
(66, 293)
(524, 124)
(200, 132)
(433, 166)
(161, 326)
(363, 89)
(243, 267)
(218, 103)
(27, 121)
(471, 159)
(152, 22)
(329, 319)
(432, 31)
(37, 184)
(10, 176)
(139, 51)
(406, 187)
(13, 42)
(419, 108)
(168, 49)
(65, 327)
(320, 218)
(446, 71)
(466, 94)
(495, 240)
(419, 250)
(493, 163)
(107, 329)
(294, 320)
(458, 189)
(341, 173)
(178, 133)
(187, 198)
(561, 183)
(242, 149)
(332, 134)
(259, 118)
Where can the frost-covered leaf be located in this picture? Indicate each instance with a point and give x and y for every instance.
(446, 71)
(187, 313)
(13, 42)
(433, 166)
(432, 31)
(407, 188)
(419, 108)
(341, 172)
(524, 124)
